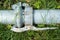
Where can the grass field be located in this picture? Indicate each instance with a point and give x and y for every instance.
(7, 34)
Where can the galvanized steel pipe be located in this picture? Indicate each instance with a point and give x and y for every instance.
(19, 16)
(46, 16)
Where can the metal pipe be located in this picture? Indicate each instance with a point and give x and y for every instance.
(40, 16)
(19, 16)
(7, 16)
(46, 16)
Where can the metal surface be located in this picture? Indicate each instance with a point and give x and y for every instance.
(46, 16)
(7, 16)
(19, 16)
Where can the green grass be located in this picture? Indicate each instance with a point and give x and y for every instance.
(7, 34)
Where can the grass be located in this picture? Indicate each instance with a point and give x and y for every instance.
(7, 34)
